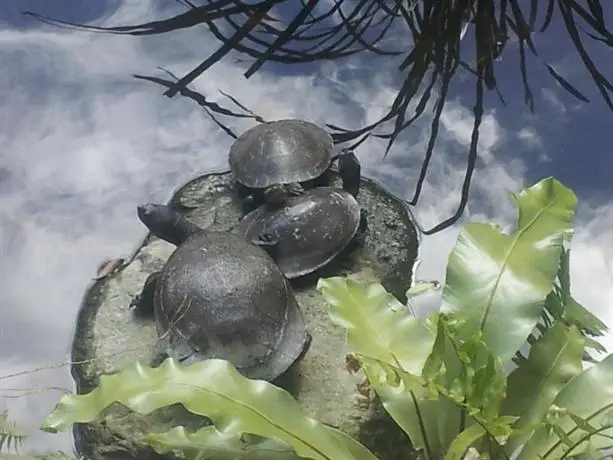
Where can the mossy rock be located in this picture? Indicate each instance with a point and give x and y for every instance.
(108, 336)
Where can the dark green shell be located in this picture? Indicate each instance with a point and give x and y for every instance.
(280, 152)
(311, 228)
(226, 298)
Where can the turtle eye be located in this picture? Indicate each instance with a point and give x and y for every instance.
(266, 237)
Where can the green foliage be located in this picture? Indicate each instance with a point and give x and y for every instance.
(498, 283)
(377, 325)
(499, 288)
(444, 380)
(562, 307)
(209, 442)
(11, 437)
(582, 420)
(215, 389)
(552, 362)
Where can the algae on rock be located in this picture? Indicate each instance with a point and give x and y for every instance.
(108, 336)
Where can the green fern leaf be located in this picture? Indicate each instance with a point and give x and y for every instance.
(10, 435)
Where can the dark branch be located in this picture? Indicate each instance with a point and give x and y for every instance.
(431, 48)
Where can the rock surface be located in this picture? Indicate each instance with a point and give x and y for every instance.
(108, 336)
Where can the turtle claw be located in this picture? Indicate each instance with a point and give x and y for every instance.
(142, 304)
(294, 189)
(140, 308)
(350, 171)
(135, 302)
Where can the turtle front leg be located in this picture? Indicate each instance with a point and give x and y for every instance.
(323, 180)
(294, 189)
(350, 171)
(242, 191)
(143, 302)
(247, 197)
(249, 203)
(276, 195)
(362, 227)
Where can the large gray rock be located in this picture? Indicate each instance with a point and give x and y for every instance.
(109, 337)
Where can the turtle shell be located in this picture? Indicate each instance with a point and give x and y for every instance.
(311, 228)
(226, 298)
(280, 152)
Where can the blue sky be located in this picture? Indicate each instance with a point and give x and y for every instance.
(83, 143)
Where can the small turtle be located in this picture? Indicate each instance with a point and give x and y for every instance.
(308, 231)
(220, 296)
(278, 159)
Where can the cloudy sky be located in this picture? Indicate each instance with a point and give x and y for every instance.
(82, 142)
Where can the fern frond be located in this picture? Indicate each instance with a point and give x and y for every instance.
(10, 434)
(57, 455)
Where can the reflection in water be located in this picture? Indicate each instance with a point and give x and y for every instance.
(83, 143)
(12, 240)
(11, 11)
(433, 55)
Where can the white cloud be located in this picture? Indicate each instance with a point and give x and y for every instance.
(530, 138)
(83, 142)
(554, 101)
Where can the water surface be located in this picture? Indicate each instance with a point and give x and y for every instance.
(82, 142)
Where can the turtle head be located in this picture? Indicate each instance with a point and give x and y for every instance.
(268, 241)
(276, 195)
(166, 223)
(154, 215)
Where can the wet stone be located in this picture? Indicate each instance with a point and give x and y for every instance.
(108, 336)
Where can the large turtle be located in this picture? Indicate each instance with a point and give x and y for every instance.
(220, 296)
(278, 159)
(308, 231)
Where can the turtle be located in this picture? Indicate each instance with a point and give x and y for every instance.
(308, 231)
(275, 160)
(221, 296)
